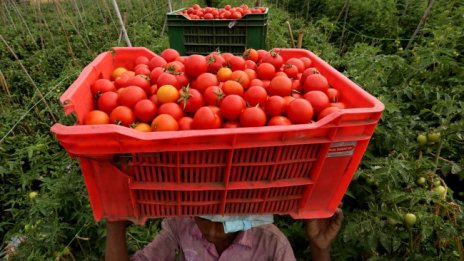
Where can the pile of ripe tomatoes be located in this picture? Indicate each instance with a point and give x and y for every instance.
(228, 12)
(170, 92)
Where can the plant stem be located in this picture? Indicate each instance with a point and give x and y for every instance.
(411, 245)
(421, 23)
(25, 24)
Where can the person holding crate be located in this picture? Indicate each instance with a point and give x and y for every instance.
(225, 238)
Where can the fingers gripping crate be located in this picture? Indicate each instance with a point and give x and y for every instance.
(205, 36)
(302, 170)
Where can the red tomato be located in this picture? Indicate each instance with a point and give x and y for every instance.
(206, 118)
(306, 61)
(255, 95)
(108, 101)
(273, 57)
(327, 111)
(307, 72)
(240, 77)
(332, 94)
(172, 109)
(251, 74)
(101, 86)
(299, 64)
(232, 87)
(232, 106)
(318, 100)
(266, 84)
(156, 61)
(237, 63)
(185, 123)
(253, 117)
(190, 100)
(131, 95)
(230, 124)
(204, 81)
(153, 89)
(209, 16)
(315, 82)
(265, 71)
(170, 54)
(121, 81)
(196, 65)
(164, 122)
(141, 81)
(275, 106)
(174, 67)
(215, 62)
(122, 115)
(96, 117)
(300, 111)
(213, 95)
(141, 60)
(227, 57)
(256, 82)
(167, 79)
(261, 54)
(145, 110)
(251, 54)
(296, 86)
(182, 79)
(155, 73)
(280, 85)
(251, 65)
(142, 71)
(279, 120)
(290, 70)
(236, 15)
(180, 59)
(154, 99)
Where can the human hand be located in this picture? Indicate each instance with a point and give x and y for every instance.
(321, 232)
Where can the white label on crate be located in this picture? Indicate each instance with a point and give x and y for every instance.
(232, 23)
(340, 149)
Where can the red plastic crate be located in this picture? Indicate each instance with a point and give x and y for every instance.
(301, 170)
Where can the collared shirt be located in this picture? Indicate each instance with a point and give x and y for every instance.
(181, 235)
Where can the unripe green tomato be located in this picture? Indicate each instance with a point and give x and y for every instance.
(436, 183)
(392, 221)
(33, 194)
(409, 219)
(370, 180)
(440, 190)
(27, 227)
(421, 181)
(433, 137)
(421, 139)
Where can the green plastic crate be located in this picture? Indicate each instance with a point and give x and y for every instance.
(205, 36)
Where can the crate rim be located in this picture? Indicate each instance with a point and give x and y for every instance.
(174, 14)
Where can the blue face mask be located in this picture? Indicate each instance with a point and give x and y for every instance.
(240, 222)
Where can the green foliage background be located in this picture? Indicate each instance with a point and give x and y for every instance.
(422, 89)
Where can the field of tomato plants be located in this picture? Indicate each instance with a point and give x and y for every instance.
(405, 200)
